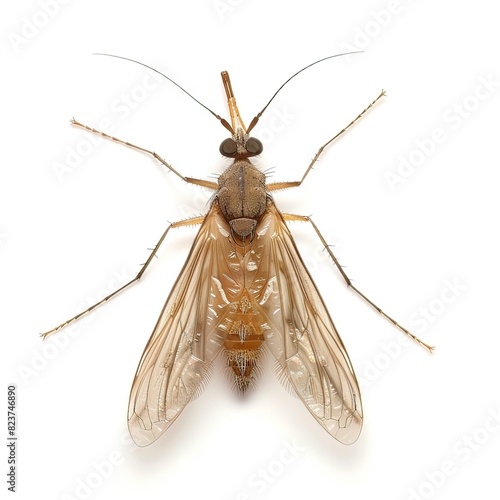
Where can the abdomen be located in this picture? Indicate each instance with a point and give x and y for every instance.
(244, 327)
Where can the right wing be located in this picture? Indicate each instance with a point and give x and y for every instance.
(302, 336)
(186, 338)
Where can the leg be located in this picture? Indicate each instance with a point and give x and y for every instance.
(303, 218)
(283, 185)
(199, 182)
(187, 222)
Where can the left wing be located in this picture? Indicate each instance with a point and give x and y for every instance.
(186, 338)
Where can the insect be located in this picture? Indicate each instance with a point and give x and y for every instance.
(243, 286)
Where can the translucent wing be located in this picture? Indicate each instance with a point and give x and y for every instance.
(191, 329)
(185, 339)
(303, 337)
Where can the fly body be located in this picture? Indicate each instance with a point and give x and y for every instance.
(243, 286)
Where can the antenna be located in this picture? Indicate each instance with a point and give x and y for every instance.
(256, 119)
(222, 120)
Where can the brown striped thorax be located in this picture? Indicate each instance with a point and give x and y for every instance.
(242, 187)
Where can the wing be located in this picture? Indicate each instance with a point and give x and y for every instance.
(303, 337)
(185, 339)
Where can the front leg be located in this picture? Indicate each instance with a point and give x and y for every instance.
(198, 182)
(284, 185)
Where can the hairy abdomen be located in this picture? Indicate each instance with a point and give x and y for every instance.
(244, 328)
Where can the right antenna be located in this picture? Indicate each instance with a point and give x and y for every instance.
(256, 119)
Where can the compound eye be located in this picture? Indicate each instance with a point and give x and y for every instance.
(228, 147)
(254, 146)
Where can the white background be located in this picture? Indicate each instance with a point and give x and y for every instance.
(429, 244)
